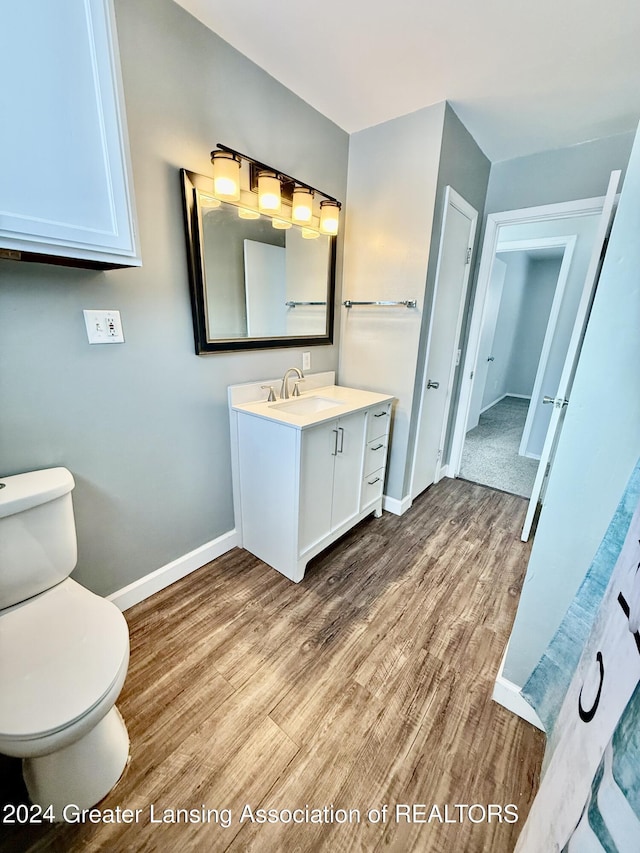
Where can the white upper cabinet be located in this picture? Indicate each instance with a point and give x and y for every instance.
(66, 189)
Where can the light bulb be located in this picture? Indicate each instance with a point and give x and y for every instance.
(281, 224)
(309, 234)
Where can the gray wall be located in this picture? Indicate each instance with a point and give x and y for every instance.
(542, 278)
(598, 447)
(564, 174)
(143, 426)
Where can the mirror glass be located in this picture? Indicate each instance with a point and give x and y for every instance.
(254, 286)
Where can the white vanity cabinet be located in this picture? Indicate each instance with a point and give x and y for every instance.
(66, 190)
(301, 482)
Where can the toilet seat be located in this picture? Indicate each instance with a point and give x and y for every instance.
(61, 653)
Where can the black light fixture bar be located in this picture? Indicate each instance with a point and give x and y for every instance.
(258, 166)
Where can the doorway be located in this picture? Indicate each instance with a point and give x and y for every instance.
(590, 220)
(501, 448)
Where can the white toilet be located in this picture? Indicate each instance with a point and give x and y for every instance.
(64, 651)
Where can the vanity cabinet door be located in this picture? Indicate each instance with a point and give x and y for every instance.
(348, 468)
(318, 446)
(65, 178)
(331, 460)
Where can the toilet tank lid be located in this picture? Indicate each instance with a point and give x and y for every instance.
(20, 492)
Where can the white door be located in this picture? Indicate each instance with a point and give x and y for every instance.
(452, 277)
(485, 359)
(573, 353)
(265, 289)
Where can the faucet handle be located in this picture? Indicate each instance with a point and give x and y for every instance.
(296, 387)
(272, 395)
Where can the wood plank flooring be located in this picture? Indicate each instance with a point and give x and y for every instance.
(367, 684)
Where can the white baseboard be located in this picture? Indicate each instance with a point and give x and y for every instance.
(500, 399)
(395, 506)
(507, 694)
(166, 575)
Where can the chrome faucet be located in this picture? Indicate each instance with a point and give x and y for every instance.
(284, 391)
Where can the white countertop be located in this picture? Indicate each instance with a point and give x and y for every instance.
(347, 400)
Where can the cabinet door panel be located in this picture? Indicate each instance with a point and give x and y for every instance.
(348, 468)
(316, 483)
(66, 188)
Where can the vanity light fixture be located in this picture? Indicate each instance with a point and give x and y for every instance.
(269, 198)
(238, 178)
(329, 216)
(302, 205)
(226, 175)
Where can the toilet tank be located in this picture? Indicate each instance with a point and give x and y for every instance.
(37, 533)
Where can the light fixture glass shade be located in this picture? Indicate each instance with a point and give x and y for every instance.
(247, 213)
(268, 191)
(281, 224)
(329, 217)
(302, 205)
(309, 234)
(226, 175)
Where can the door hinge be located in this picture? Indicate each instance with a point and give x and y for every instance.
(468, 256)
(547, 469)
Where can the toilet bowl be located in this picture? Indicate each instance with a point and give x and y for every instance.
(64, 652)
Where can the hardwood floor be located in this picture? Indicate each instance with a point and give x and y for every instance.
(367, 684)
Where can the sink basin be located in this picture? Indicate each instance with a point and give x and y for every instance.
(307, 405)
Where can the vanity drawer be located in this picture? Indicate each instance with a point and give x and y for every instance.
(375, 454)
(372, 487)
(378, 421)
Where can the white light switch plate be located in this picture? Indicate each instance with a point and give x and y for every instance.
(103, 327)
(306, 361)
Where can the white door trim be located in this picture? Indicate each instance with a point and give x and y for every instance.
(451, 197)
(565, 210)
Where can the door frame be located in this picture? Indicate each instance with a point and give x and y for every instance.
(495, 221)
(453, 198)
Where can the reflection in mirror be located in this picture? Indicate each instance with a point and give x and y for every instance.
(254, 286)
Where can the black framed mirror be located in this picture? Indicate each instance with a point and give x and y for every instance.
(254, 286)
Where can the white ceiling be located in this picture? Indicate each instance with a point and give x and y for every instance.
(523, 75)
